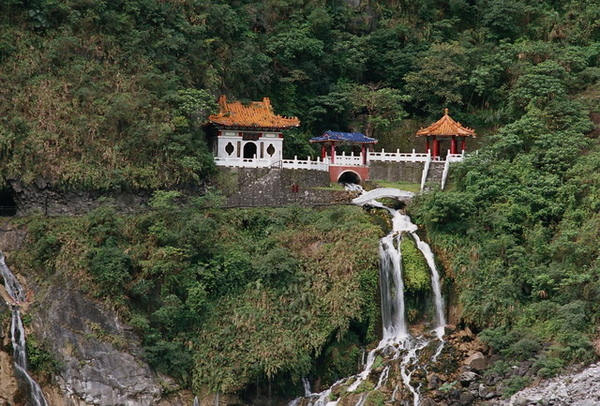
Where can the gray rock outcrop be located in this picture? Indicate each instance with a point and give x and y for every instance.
(580, 389)
(99, 359)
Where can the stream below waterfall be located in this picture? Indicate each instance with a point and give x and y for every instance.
(18, 297)
(397, 344)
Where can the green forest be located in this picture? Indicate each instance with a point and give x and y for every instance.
(112, 95)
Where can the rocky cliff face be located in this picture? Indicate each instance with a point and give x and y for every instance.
(576, 389)
(43, 198)
(100, 360)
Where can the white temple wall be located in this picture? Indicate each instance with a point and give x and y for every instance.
(231, 144)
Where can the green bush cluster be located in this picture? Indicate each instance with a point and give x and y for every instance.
(516, 233)
(228, 299)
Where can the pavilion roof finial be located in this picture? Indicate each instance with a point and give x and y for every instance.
(446, 127)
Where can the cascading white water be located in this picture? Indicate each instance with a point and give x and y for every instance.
(392, 290)
(396, 338)
(306, 385)
(18, 296)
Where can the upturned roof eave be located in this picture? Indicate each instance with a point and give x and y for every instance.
(254, 126)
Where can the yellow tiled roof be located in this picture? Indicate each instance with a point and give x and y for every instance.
(446, 126)
(255, 114)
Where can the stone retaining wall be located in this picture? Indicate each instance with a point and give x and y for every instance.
(409, 172)
(278, 187)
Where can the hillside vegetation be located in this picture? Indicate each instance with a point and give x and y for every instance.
(99, 94)
(224, 300)
(109, 94)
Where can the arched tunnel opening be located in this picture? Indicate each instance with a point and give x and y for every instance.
(349, 177)
(8, 206)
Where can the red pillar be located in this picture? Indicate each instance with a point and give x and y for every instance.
(323, 151)
(453, 145)
(428, 146)
(436, 148)
(463, 144)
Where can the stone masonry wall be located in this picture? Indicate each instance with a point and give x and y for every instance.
(278, 187)
(409, 172)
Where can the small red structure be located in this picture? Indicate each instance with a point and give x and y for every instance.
(345, 169)
(445, 128)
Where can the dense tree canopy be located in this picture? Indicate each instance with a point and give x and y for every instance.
(92, 90)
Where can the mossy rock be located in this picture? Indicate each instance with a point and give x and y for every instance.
(414, 267)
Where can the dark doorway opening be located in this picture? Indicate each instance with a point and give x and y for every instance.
(8, 207)
(249, 150)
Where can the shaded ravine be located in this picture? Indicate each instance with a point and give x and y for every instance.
(397, 344)
(18, 297)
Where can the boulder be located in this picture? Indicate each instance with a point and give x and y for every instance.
(466, 378)
(433, 381)
(476, 361)
(466, 398)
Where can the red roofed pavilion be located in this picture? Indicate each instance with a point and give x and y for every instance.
(445, 128)
(249, 131)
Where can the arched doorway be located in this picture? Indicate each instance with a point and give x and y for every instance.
(249, 150)
(350, 177)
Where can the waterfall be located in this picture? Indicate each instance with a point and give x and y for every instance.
(396, 342)
(18, 296)
(306, 385)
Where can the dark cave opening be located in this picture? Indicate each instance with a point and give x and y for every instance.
(8, 206)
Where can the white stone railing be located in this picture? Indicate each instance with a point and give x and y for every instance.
(244, 162)
(397, 156)
(455, 157)
(450, 158)
(348, 160)
(317, 165)
(425, 171)
(341, 159)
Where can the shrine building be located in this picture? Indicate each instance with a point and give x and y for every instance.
(250, 135)
(442, 130)
(248, 132)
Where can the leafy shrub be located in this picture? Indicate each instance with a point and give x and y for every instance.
(111, 268)
(499, 367)
(523, 349)
(499, 338)
(39, 358)
(514, 384)
(547, 366)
